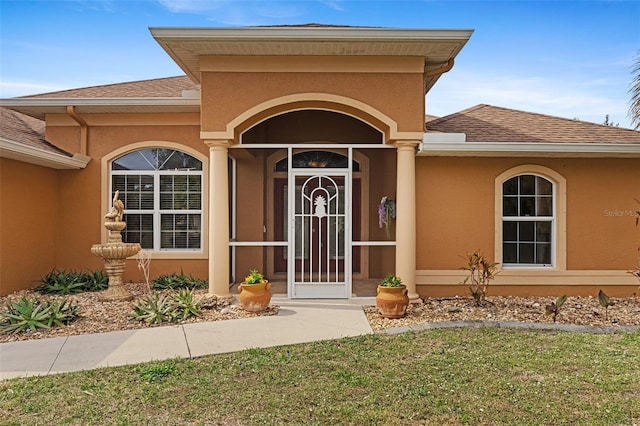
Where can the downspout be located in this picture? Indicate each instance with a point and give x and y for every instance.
(432, 73)
(84, 128)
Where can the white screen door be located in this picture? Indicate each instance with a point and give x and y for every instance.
(319, 234)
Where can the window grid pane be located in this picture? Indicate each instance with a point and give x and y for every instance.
(527, 240)
(168, 193)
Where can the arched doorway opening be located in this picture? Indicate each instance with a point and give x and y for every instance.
(303, 202)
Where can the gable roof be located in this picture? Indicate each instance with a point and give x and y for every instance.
(437, 47)
(167, 87)
(22, 139)
(487, 123)
(29, 131)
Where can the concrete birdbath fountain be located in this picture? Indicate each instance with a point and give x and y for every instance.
(115, 253)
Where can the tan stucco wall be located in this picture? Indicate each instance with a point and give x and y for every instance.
(29, 198)
(456, 209)
(226, 95)
(80, 215)
(456, 214)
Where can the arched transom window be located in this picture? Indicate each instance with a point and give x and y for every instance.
(528, 221)
(162, 193)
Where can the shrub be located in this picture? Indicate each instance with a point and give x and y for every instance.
(157, 308)
(481, 272)
(70, 282)
(31, 314)
(175, 281)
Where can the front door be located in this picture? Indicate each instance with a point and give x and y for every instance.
(319, 234)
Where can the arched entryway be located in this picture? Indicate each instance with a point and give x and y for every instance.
(304, 198)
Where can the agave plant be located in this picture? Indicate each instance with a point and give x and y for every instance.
(184, 305)
(25, 314)
(153, 309)
(62, 313)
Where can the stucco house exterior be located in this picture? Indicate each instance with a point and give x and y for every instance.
(274, 152)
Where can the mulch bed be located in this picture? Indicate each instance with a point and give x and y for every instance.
(99, 317)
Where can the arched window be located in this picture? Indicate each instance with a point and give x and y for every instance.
(162, 193)
(317, 159)
(528, 217)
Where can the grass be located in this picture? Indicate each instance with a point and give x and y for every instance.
(455, 377)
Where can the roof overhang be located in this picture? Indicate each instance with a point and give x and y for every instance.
(28, 154)
(454, 145)
(187, 45)
(39, 107)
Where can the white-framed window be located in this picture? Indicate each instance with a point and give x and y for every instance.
(161, 189)
(528, 221)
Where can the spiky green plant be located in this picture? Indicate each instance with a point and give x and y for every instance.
(154, 308)
(25, 314)
(62, 313)
(184, 305)
(174, 281)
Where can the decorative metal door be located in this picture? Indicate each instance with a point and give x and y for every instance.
(320, 235)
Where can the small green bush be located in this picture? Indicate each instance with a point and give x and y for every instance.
(71, 282)
(31, 314)
(175, 281)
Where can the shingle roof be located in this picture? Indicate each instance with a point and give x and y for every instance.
(157, 88)
(20, 128)
(487, 123)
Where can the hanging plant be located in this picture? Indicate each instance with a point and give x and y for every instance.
(386, 212)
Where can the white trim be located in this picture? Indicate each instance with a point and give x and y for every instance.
(527, 149)
(559, 222)
(308, 146)
(39, 107)
(307, 33)
(28, 154)
(531, 277)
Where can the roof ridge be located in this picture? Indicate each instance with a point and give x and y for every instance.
(46, 94)
(555, 117)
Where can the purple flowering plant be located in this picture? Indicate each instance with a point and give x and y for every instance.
(386, 212)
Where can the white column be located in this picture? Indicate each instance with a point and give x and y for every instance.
(218, 217)
(406, 215)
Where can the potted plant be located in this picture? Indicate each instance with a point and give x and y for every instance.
(392, 299)
(255, 292)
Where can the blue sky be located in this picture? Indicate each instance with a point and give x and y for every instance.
(567, 58)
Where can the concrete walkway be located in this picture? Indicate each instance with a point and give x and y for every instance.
(295, 323)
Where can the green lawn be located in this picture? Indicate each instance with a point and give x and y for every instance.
(442, 377)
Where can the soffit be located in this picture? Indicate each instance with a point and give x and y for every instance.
(40, 107)
(187, 45)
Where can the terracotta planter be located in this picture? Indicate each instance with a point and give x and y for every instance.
(392, 302)
(255, 297)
